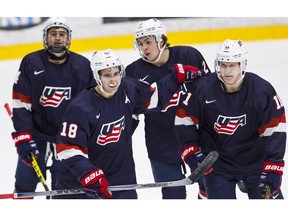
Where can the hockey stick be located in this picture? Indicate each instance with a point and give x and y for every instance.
(7, 107)
(267, 191)
(242, 186)
(35, 164)
(39, 173)
(194, 177)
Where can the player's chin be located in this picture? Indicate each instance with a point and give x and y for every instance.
(113, 90)
(229, 81)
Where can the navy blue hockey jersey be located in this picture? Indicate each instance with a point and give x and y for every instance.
(161, 141)
(246, 127)
(42, 90)
(97, 132)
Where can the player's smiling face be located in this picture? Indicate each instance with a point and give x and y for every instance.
(111, 79)
(230, 72)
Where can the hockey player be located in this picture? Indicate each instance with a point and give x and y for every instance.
(95, 141)
(163, 147)
(240, 115)
(46, 82)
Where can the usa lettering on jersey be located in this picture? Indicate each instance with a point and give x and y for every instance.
(53, 96)
(228, 125)
(111, 132)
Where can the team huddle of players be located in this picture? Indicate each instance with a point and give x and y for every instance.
(83, 115)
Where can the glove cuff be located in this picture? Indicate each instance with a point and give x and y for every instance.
(187, 151)
(21, 137)
(274, 167)
(180, 72)
(92, 177)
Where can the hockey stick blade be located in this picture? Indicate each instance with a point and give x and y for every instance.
(42, 193)
(194, 177)
(191, 179)
(206, 164)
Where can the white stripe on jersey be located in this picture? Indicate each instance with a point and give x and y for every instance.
(68, 153)
(17, 103)
(154, 98)
(279, 128)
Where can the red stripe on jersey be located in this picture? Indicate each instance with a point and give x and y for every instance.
(152, 89)
(21, 97)
(273, 123)
(181, 113)
(62, 147)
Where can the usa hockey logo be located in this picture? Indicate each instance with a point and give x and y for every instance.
(111, 132)
(53, 96)
(228, 125)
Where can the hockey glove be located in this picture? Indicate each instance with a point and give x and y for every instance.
(95, 185)
(187, 73)
(271, 176)
(192, 156)
(25, 146)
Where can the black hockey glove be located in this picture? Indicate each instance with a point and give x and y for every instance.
(192, 156)
(25, 146)
(271, 177)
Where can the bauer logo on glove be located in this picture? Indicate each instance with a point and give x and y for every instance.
(187, 73)
(25, 146)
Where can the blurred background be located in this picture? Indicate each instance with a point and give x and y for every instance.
(20, 35)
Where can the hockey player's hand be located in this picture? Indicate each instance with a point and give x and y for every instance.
(95, 184)
(25, 146)
(192, 156)
(271, 176)
(187, 73)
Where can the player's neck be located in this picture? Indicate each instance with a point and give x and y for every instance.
(100, 91)
(163, 59)
(232, 88)
(57, 61)
(57, 58)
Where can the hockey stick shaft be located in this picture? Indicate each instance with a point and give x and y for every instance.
(38, 172)
(35, 164)
(191, 179)
(7, 107)
(194, 177)
(267, 191)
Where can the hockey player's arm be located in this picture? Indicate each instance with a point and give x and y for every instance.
(91, 178)
(156, 96)
(186, 118)
(187, 133)
(22, 115)
(273, 127)
(72, 151)
(273, 132)
(22, 99)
